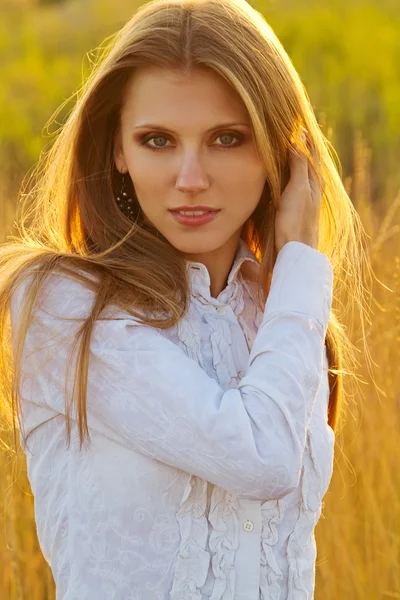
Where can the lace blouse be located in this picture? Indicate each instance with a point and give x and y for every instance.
(210, 448)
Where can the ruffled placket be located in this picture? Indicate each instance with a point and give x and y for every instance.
(194, 556)
(222, 356)
(223, 542)
(193, 560)
(270, 573)
(189, 333)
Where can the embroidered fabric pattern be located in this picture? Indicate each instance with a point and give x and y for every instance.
(210, 453)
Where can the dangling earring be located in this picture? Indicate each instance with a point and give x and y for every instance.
(125, 203)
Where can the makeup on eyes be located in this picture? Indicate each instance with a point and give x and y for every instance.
(240, 138)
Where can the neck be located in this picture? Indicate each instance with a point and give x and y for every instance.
(218, 263)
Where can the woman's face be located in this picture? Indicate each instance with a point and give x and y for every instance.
(187, 141)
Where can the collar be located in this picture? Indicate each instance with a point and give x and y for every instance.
(245, 262)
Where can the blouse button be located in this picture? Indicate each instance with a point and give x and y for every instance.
(248, 526)
(220, 309)
(241, 373)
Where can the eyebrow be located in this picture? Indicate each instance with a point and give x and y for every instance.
(160, 127)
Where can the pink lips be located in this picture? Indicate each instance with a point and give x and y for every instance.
(191, 208)
(195, 219)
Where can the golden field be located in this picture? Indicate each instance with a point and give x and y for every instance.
(348, 55)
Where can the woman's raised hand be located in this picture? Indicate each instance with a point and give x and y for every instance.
(298, 213)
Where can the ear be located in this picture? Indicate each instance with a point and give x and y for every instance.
(119, 157)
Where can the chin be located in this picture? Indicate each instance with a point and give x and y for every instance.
(200, 246)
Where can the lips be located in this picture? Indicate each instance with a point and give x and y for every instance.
(202, 218)
(194, 209)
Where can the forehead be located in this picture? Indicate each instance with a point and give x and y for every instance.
(153, 93)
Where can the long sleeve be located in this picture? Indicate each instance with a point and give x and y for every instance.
(147, 394)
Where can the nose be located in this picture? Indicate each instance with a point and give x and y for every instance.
(192, 177)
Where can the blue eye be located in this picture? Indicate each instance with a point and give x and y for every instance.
(227, 135)
(154, 137)
(237, 136)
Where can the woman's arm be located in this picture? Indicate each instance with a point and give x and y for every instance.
(145, 392)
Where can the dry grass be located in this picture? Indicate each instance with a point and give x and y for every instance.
(358, 536)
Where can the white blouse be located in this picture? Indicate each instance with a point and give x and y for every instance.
(210, 451)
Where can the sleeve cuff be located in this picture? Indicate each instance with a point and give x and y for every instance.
(302, 281)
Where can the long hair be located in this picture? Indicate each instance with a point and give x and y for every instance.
(71, 223)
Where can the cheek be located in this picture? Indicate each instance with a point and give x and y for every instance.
(246, 206)
(246, 184)
(143, 163)
(149, 179)
(243, 170)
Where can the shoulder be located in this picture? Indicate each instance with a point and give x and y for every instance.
(67, 298)
(59, 294)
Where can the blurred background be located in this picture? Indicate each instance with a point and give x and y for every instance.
(347, 53)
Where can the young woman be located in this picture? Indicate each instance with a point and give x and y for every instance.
(173, 358)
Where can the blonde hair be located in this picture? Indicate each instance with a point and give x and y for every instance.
(76, 225)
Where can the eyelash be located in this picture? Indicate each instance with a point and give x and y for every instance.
(238, 136)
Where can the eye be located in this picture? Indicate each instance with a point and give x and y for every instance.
(224, 136)
(145, 141)
(230, 135)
